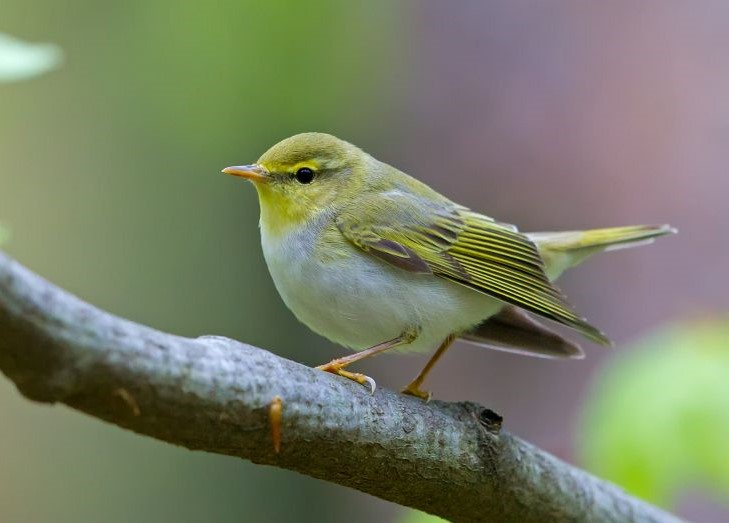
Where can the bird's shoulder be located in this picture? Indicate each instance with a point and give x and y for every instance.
(402, 207)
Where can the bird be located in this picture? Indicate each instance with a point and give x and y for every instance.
(375, 260)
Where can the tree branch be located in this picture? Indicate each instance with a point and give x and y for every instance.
(215, 394)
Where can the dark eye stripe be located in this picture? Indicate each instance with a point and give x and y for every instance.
(304, 175)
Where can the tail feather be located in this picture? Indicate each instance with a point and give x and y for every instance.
(562, 250)
(611, 238)
(513, 330)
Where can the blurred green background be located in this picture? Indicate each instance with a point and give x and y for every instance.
(550, 116)
(657, 421)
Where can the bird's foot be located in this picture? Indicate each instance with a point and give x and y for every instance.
(414, 390)
(337, 368)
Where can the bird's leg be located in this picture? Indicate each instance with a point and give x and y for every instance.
(414, 387)
(337, 366)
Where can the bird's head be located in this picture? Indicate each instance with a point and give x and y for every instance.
(303, 175)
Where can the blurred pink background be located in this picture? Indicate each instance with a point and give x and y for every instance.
(549, 115)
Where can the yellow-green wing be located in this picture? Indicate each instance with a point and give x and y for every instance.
(450, 241)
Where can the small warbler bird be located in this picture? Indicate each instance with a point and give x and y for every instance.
(375, 260)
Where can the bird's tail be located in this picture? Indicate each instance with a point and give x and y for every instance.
(562, 250)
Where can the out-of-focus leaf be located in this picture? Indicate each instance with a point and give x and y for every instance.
(657, 421)
(415, 516)
(22, 60)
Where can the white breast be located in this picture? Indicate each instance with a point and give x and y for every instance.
(358, 300)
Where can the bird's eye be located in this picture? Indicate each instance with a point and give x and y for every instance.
(304, 175)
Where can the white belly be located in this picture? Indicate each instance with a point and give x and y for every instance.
(358, 300)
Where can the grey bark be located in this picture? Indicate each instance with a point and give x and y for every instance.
(214, 394)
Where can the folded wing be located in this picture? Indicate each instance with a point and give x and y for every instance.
(452, 242)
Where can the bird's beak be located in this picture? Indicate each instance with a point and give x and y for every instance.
(253, 172)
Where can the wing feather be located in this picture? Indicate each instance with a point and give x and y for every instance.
(453, 242)
(513, 330)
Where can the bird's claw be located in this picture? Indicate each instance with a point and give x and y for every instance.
(371, 383)
(414, 390)
(337, 369)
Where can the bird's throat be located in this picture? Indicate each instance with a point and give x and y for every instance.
(281, 215)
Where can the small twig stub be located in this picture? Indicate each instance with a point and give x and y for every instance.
(274, 418)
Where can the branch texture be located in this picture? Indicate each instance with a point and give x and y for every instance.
(219, 395)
